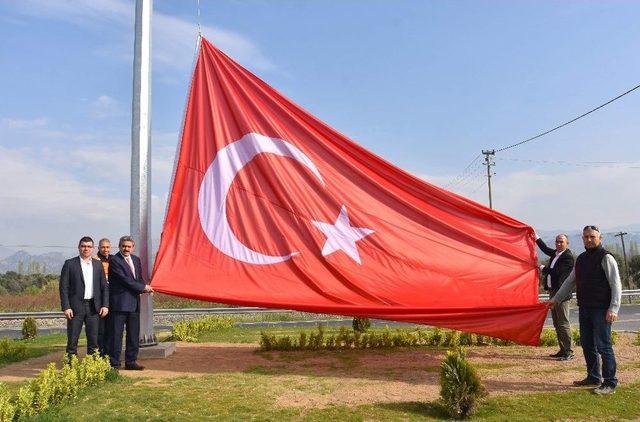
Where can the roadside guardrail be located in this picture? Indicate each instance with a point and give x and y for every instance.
(211, 311)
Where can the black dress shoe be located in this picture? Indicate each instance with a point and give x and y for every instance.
(587, 382)
(133, 366)
(557, 355)
(568, 356)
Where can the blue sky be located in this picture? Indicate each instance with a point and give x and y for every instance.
(426, 85)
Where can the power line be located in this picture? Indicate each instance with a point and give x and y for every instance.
(546, 132)
(469, 177)
(596, 164)
(459, 176)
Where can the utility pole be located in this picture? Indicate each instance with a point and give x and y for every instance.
(488, 162)
(624, 256)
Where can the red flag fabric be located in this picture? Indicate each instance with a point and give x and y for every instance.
(271, 207)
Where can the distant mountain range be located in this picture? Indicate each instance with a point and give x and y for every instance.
(51, 262)
(24, 262)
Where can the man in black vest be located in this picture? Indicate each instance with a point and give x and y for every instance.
(599, 292)
(556, 271)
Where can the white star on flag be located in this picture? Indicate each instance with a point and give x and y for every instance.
(342, 236)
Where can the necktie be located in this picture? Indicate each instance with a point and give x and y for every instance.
(130, 262)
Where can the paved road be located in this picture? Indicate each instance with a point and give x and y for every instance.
(629, 320)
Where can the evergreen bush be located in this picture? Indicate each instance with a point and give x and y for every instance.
(29, 328)
(460, 385)
(190, 330)
(11, 351)
(361, 324)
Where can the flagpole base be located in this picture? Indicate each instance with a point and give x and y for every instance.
(157, 351)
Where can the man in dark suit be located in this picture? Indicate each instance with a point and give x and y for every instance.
(84, 296)
(125, 286)
(558, 268)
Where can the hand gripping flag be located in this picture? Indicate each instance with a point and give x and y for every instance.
(271, 207)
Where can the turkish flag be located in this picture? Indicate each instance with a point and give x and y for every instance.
(271, 207)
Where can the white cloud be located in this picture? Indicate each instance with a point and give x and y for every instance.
(567, 199)
(173, 38)
(14, 123)
(42, 204)
(105, 107)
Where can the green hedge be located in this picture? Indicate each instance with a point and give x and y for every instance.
(190, 330)
(350, 339)
(53, 386)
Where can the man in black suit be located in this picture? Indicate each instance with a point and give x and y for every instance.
(125, 286)
(84, 296)
(558, 268)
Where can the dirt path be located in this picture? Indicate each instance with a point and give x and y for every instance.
(318, 379)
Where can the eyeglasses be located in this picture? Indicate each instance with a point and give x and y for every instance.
(591, 228)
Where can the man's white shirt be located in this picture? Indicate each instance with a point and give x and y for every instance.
(87, 274)
(551, 266)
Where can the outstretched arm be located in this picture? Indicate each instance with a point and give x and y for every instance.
(544, 248)
(117, 270)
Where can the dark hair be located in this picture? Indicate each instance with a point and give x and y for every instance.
(85, 239)
(591, 228)
(126, 239)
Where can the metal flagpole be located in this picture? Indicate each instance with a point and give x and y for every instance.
(140, 211)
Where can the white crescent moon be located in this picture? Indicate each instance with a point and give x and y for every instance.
(212, 198)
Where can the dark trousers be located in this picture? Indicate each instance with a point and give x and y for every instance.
(103, 335)
(118, 321)
(88, 316)
(595, 338)
(560, 317)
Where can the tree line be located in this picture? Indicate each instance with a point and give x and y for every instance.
(12, 282)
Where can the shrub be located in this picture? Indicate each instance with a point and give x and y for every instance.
(11, 351)
(436, 337)
(361, 324)
(7, 405)
(548, 337)
(316, 340)
(267, 341)
(53, 386)
(29, 328)
(302, 340)
(460, 386)
(467, 339)
(191, 329)
(452, 339)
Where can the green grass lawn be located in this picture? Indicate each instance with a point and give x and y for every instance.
(251, 396)
(41, 346)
